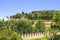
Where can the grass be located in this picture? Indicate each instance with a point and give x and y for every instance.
(45, 38)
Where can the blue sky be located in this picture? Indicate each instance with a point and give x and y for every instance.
(11, 7)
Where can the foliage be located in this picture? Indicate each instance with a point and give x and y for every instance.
(40, 27)
(45, 15)
(56, 20)
(24, 26)
(1, 23)
(9, 35)
(45, 38)
(56, 37)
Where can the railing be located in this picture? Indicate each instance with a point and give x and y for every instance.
(33, 35)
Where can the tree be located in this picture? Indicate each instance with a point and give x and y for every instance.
(40, 27)
(13, 25)
(56, 20)
(23, 13)
(55, 27)
(2, 24)
(17, 16)
(30, 16)
(9, 35)
(24, 26)
(45, 15)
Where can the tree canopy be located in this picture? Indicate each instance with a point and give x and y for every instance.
(45, 15)
(9, 35)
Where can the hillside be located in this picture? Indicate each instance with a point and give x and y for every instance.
(35, 15)
(46, 22)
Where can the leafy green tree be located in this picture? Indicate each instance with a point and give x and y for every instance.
(55, 27)
(13, 25)
(2, 24)
(24, 26)
(45, 15)
(56, 20)
(17, 16)
(30, 16)
(40, 27)
(9, 35)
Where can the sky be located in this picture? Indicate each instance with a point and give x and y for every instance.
(11, 7)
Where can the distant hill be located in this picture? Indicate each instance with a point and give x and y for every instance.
(35, 15)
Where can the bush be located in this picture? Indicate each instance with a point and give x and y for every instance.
(9, 35)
